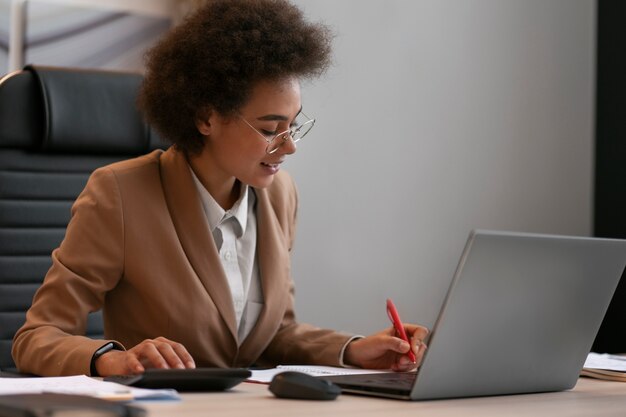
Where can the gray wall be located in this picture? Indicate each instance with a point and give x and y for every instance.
(437, 117)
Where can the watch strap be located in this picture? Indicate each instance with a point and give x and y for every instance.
(101, 351)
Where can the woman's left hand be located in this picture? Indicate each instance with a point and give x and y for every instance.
(384, 350)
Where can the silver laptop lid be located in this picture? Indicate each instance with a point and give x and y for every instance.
(520, 315)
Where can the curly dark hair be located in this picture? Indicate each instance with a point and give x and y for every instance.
(215, 57)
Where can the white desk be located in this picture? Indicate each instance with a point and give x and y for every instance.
(590, 397)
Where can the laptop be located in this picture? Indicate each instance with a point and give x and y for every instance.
(520, 316)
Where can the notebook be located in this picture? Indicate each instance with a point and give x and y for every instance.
(520, 316)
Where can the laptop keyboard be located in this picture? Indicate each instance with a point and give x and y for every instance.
(396, 380)
(396, 383)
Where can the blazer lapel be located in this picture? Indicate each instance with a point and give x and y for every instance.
(191, 226)
(274, 268)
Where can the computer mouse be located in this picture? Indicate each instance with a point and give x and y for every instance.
(298, 385)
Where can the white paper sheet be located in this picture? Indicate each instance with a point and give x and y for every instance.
(605, 361)
(265, 375)
(82, 385)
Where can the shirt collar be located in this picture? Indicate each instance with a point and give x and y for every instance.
(216, 215)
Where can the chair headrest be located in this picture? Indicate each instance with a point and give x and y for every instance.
(74, 111)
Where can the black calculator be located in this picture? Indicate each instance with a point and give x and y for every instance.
(185, 380)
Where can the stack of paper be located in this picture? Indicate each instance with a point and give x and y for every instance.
(605, 366)
(82, 385)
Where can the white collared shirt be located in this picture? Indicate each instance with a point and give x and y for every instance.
(235, 232)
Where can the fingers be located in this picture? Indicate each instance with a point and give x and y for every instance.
(162, 353)
(397, 345)
(416, 335)
(151, 353)
(417, 332)
(419, 355)
(403, 363)
(133, 365)
(184, 356)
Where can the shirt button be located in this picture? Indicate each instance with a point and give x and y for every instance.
(227, 255)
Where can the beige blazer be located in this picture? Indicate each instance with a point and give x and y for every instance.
(138, 247)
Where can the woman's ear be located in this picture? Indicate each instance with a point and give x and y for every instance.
(203, 123)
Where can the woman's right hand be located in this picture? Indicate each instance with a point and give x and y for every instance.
(151, 353)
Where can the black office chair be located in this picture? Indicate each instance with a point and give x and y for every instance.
(56, 126)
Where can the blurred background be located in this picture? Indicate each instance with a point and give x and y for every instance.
(437, 117)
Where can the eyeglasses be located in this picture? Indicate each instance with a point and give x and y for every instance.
(299, 128)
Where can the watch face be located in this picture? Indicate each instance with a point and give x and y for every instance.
(104, 349)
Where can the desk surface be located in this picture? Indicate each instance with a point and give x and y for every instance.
(590, 397)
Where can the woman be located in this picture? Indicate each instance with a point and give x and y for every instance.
(187, 250)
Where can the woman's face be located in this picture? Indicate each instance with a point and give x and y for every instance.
(235, 149)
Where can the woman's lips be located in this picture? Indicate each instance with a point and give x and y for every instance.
(271, 167)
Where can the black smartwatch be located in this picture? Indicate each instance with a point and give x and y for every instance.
(104, 349)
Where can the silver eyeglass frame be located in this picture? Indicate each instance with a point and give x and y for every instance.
(294, 133)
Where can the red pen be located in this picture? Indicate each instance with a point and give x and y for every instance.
(397, 324)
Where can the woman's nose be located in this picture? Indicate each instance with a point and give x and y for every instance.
(288, 146)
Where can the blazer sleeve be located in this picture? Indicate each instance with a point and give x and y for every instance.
(299, 343)
(88, 263)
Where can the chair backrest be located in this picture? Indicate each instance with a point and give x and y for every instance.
(56, 126)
